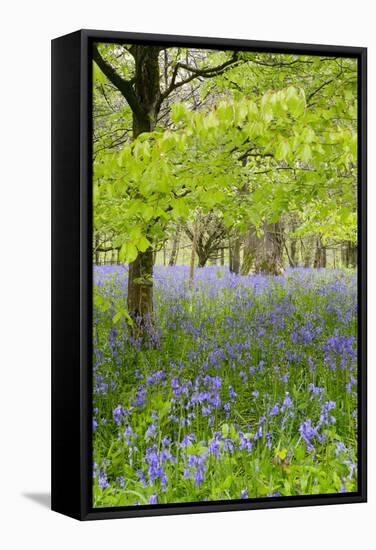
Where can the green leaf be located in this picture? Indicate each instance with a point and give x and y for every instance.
(143, 244)
(295, 101)
(123, 313)
(116, 318)
(305, 153)
(283, 150)
(225, 430)
(178, 112)
(180, 209)
(128, 252)
(147, 212)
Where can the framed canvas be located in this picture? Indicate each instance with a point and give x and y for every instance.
(208, 274)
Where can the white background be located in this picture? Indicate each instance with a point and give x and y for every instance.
(27, 28)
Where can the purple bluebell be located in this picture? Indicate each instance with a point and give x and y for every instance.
(153, 499)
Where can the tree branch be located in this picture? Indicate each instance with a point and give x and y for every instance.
(208, 72)
(124, 86)
(312, 94)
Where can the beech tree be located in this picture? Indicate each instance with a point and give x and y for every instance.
(259, 147)
(208, 233)
(142, 91)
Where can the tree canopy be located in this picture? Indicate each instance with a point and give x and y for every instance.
(282, 137)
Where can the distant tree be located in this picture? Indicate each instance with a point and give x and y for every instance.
(210, 234)
(175, 247)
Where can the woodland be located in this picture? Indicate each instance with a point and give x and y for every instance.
(225, 259)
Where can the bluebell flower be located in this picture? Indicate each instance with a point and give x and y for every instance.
(192, 460)
(308, 433)
(102, 479)
(215, 448)
(151, 432)
(141, 476)
(187, 440)
(287, 403)
(245, 443)
(198, 476)
(153, 499)
(275, 410)
(117, 414)
(340, 448)
(325, 418)
(232, 394)
(120, 481)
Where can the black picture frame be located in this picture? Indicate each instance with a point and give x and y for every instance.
(72, 274)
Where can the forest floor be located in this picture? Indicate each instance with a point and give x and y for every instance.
(245, 388)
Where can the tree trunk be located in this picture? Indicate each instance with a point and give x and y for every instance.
(234, 246)
(320, 254)
(193, 253)
(249, 251)
(113, 256)
(344, 254)
(349, 254)
(323, 256)
(96, 243)
(140, 289)
(269, 252)
(293, 258)
(306, 249)
(147, 89)
(353, 254)
(175, 248)
(293, 255)
(202, 259)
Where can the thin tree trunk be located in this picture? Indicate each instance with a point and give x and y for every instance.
(349, 254)
(307, 251)
(323, 256)
(222, 259)
(193, 253)
(353, 254)
(113, 256)
(320, 254)
(175, 247)
(234, 254)
(293, 256)
(344, 254)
